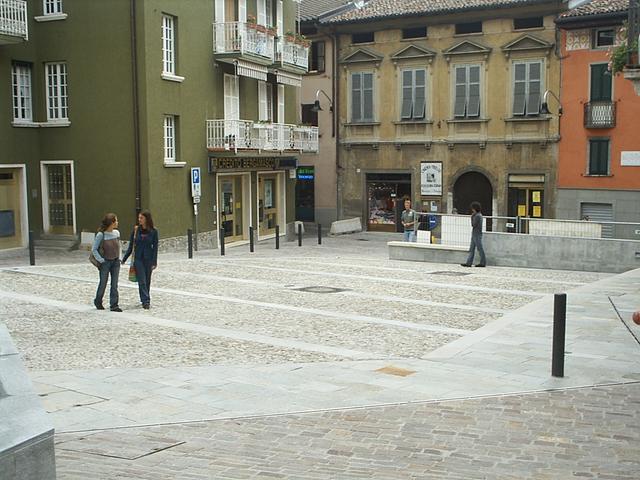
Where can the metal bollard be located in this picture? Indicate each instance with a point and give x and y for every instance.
(221, 241)
(251, 239)
(559, 330)
(190, 242)
(277, 237)
(319, 234)
(32, 249)
(299, 234)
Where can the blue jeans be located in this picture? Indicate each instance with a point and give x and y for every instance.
(108, 267)
(476, 242)
(143, 272)
(409, 236)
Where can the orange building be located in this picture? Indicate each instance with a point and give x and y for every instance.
(599, 153)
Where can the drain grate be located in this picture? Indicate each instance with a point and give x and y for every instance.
(321, 289)
(451, 274)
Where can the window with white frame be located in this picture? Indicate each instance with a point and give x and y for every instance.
(168, 45)
(413, 106)
(527, 87)
(51, 7)
(231, 97)
(281, 103)
(22, 97)
(467, 91)
(170, 129)
(57, 95)
(265, 101)
(362, 97)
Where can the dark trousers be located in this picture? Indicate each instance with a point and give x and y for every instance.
(476, 242)
(108, 267)
(143, 271)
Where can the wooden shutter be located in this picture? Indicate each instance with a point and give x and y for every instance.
(598, 156)
(473, 107)
(231, 98)
(279, 18)
(600, 83)
(367, 97)
(262, 13)
(281, 104)
(420, 93)
(242, 11)
(460, 101)
(534, 88)
(356, 97)
(262, 101)
(269, 88)
(519, 88)
(407, 94)
(219, 7)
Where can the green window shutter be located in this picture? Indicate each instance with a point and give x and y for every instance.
(599, 157)
(407, 94)
(600, 83)
(519, 88)
(535, 81)
(473, 108)
(460, 102)
(420, 94)
(356, 97)
(367, 97)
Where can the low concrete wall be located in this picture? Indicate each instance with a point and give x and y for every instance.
(533, 251)
(26, 434)
(350, 225)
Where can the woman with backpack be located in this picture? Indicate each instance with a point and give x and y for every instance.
(106, 250)
(144, 246)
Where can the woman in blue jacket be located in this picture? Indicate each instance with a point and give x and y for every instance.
(144, 239)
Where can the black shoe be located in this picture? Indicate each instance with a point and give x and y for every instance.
(116, 309)
(146, 306)
(480, 265)
(98, 305)
(465, 265)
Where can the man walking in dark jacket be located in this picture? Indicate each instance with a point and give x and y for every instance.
(476, 237)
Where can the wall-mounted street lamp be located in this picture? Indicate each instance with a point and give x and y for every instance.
(544, 108)
(316, 105)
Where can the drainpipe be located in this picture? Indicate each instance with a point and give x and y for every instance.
(136, 109)
(336, 119)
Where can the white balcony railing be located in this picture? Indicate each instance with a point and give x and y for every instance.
(13, 18)
(292, 53)
(242, 38)
(248, 135)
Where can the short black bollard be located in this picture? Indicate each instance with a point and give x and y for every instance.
(32, 249)
(251, 239)
(221, 241)
(559, 330)
(319, 234)
(277, 237)
(299, 234)
(190, 242)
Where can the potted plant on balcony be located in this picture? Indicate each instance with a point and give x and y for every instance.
(290, 36)
(252, 22)
(619, 54)
(302, 40)
(272, 31)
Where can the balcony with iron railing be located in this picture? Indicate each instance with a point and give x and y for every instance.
(244, 40)
(600, 114)
(13, 21)
(264, 136)
(292, 54)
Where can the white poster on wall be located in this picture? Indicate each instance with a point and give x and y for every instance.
(630, 159)
(431, 178)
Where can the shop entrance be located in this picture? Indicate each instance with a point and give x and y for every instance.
(386, 193)
(230, 203)
(58, 198)
(305, 194)
(473, 187)
(270, 205)
(11, 208)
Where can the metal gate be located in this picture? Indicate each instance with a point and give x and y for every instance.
(599, 212)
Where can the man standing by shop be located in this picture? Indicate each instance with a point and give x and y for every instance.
(409, 218)
(476, 237)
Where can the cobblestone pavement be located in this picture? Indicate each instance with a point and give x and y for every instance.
(279, 364)
(579, 433)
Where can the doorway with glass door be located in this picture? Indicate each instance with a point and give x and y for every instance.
(57, 198)
(270, 203)
(232, 205)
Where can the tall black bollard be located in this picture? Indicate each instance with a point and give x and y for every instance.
(319, 234)
(190, 242)
(277, 237)
(251, 239)
(32, 249)
(221, 241)
(559, 330)
(299, 234)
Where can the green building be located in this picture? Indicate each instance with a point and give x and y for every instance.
(109, 105)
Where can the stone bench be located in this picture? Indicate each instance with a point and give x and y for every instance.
(426, 252)
(26, 433)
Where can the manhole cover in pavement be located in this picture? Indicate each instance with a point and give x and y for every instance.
(399, 372)
(451, 274)
(118, 445)
(320, 289)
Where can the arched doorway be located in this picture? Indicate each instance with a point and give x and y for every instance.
(473, 187)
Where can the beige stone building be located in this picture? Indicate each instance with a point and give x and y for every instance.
(441, 103)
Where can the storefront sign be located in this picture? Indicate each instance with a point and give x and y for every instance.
(217, 164)
(306, 173)
(431, 178)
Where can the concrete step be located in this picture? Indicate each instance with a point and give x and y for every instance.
(57, 242)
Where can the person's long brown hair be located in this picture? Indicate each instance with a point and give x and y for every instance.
(107, 220)
(147, 215)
